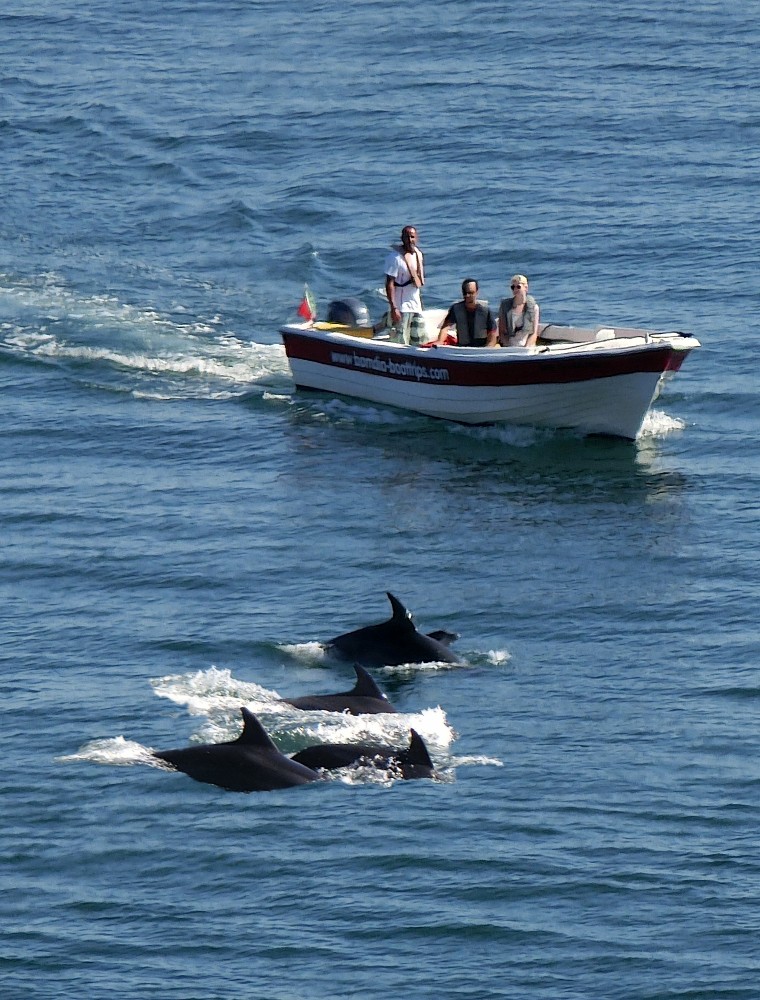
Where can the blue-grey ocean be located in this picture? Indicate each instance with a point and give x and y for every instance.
(181, 528)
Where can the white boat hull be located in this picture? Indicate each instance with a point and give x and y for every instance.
(593, 388)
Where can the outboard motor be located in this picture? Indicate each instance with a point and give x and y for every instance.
(348, 312)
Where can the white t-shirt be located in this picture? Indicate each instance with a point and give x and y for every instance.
(406, 299)
(519, 338)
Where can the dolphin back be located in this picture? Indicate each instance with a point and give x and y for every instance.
(413, 762)
(364, 698)
(393, 641)
(251, 763)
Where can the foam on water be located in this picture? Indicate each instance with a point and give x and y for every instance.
(118, 751)
(306, 652)
(515, 437)
(498, 657)
(63, 326)
(354, 411)
(315, 652)
(210, 691)
(218, 696)
(658, 424)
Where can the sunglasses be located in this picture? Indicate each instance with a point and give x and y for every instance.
(518, 285)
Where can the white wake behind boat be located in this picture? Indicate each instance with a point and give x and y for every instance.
(594, 381)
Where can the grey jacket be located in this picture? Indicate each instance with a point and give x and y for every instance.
(528, 318)
(481, 318)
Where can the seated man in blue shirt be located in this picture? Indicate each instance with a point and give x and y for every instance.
(473, 320)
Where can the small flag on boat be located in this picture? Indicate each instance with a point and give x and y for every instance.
(308, 307)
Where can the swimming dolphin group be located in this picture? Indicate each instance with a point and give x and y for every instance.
(253, 763)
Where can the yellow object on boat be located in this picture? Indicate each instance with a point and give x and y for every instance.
(350, 331)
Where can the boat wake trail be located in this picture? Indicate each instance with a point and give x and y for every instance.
(123, 348)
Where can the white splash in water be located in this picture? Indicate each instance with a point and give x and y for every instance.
(116, 750)
(214, 691)
(409, 669)
(498, 657)
(512, 435)
(305, 652)
(363, 413)
(216, 695)
(658, 425)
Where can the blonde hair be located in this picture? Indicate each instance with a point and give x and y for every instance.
(518, 277)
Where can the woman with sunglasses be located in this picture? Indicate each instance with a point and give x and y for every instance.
(518, 317)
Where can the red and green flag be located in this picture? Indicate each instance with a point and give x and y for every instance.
(308, 307)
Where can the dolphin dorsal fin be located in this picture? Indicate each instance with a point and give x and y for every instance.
(365, 686)
(254, 733)
(418, 752)
(401, 615)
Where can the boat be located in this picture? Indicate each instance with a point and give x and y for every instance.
(600, 380)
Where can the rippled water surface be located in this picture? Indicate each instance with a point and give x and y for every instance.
(182, 529)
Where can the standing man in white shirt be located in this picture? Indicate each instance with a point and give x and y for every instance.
(404, 277)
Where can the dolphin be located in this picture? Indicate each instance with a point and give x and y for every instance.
(393, 642)
(441, 635)
(413, 762)
(251, 763)
(365, 698)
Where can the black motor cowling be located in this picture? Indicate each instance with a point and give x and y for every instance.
(348, 312)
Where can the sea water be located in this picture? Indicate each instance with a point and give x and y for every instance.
(182, 530)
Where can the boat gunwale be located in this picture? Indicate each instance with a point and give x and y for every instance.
(647, 341)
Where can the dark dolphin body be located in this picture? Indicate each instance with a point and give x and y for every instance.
(251, 763)
(393, 642)
(414, 762)
(365, 698)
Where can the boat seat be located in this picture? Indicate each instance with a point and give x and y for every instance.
(553, 333)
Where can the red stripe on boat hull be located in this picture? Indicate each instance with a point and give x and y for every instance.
(430, 367)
